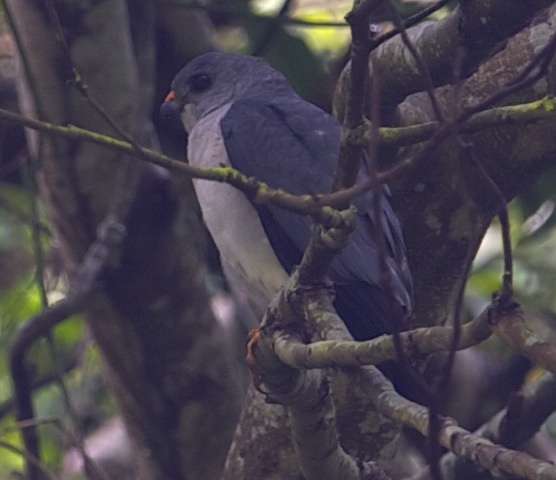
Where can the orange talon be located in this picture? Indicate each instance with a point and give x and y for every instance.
(252, 339)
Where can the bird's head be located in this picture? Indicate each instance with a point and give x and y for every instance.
(215, 79)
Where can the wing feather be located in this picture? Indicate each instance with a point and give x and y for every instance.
(293, 145)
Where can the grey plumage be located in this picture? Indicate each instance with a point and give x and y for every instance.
(238, 110)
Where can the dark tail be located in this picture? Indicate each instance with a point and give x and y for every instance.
(368, 313)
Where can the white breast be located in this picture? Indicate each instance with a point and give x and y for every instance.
(234, 224)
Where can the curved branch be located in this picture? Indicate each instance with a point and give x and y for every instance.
(480, 27)
(111, 235)
(28, 333)
(337, 353)
(478, 450)
(514, 425)
(259, 192)
(312, 413)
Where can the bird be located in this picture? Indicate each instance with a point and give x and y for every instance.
(239, 111)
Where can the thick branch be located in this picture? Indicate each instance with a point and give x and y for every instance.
(514, 425)
(337, 353)
(306, 393)
(476, 449)
(480, 27)
(310, 405)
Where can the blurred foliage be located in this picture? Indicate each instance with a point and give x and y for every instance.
(300, 66)
(20, 298)
(533, 232)
(305, 54)
(10, 461)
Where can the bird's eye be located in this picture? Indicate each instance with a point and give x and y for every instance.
(199, 82)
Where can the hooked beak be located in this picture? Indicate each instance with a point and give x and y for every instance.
(170, 109)
(171, 97)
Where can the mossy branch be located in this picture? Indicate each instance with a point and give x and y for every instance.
(522, 114)
(337, 353)
(482, 452)
(323, 207)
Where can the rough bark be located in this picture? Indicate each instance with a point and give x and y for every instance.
(446, 205)
(166, 356)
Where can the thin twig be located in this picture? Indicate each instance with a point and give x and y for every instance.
(271, 30)
(507, 277)
(439, 388)
(411, 21)
(397, 322)
(349, 155)
(78, 83)
(30, 458)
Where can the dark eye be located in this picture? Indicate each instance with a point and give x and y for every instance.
(199, 82)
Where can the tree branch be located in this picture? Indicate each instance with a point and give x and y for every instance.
(478, 450)
(336, 353)
(514, 425)
(515, 332)
(479, 27)
(307, 395)
(526, 113)
(259, 192)
(111, 235)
